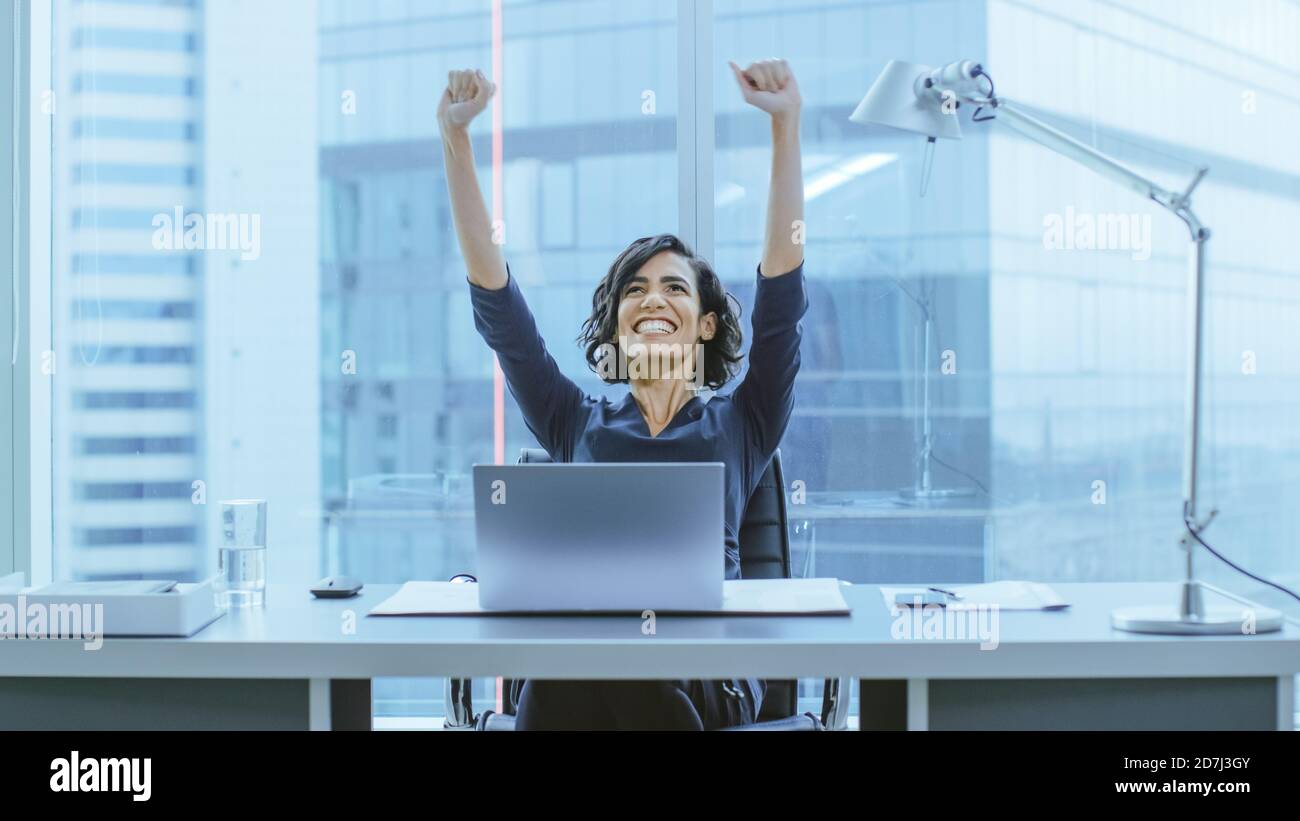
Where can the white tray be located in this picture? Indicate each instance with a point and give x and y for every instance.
(182, 611)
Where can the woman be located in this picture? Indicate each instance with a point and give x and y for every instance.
(662, 323)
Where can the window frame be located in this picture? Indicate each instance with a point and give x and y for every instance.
(29, 110)
(695, 117)
(10, 427)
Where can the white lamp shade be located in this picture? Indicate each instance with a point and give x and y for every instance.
(892, 101)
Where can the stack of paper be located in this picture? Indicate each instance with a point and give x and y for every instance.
(1006, 595)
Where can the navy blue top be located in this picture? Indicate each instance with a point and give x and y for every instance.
(741, 429)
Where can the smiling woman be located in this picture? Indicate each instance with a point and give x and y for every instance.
(656, 293)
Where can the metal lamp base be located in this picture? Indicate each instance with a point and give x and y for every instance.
(1219, 621)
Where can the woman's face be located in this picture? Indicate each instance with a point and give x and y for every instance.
(661, 305)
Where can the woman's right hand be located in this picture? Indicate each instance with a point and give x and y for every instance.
(465, 97)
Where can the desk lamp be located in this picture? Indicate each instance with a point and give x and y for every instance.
(926, 100)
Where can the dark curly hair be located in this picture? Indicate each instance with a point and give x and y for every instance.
(721, 353)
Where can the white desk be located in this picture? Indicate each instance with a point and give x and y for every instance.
(295, 664)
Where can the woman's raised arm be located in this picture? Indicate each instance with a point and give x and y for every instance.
(550, 402)
(766, 395)
(769, 86)
(467, 94)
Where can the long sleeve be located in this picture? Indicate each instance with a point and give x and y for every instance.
(766, 395)
(549, 400)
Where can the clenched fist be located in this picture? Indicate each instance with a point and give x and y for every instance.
(769, 86)
(465, 97)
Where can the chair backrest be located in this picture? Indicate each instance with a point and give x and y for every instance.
(764, 554)
(764, 533)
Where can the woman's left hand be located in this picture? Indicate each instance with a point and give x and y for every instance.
(769, 86)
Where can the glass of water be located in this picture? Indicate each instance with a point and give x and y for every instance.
(241, 557)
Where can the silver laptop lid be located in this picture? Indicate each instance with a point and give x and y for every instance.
(609, 536)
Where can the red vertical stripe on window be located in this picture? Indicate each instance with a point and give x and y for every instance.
(498, 378)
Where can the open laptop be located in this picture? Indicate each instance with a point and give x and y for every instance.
(611, 537)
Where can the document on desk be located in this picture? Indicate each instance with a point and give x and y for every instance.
(740, 597)
(1007, 595)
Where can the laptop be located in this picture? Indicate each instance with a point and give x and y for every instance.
(604, 537)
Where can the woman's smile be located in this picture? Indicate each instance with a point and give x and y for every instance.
(655, 327)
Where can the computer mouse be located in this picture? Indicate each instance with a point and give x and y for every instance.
(336, 587)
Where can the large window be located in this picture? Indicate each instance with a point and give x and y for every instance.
(185, 284)
(256, 289)
(1055, 375)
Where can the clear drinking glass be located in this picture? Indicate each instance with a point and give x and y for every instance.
(241, 557)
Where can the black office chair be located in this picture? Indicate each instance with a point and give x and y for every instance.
(764, 554)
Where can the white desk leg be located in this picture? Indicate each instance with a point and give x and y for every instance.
(1286, 703)
(318, 706)
(918, 704)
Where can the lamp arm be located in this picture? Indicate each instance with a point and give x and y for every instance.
(1010, 114)
(1062, 143)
